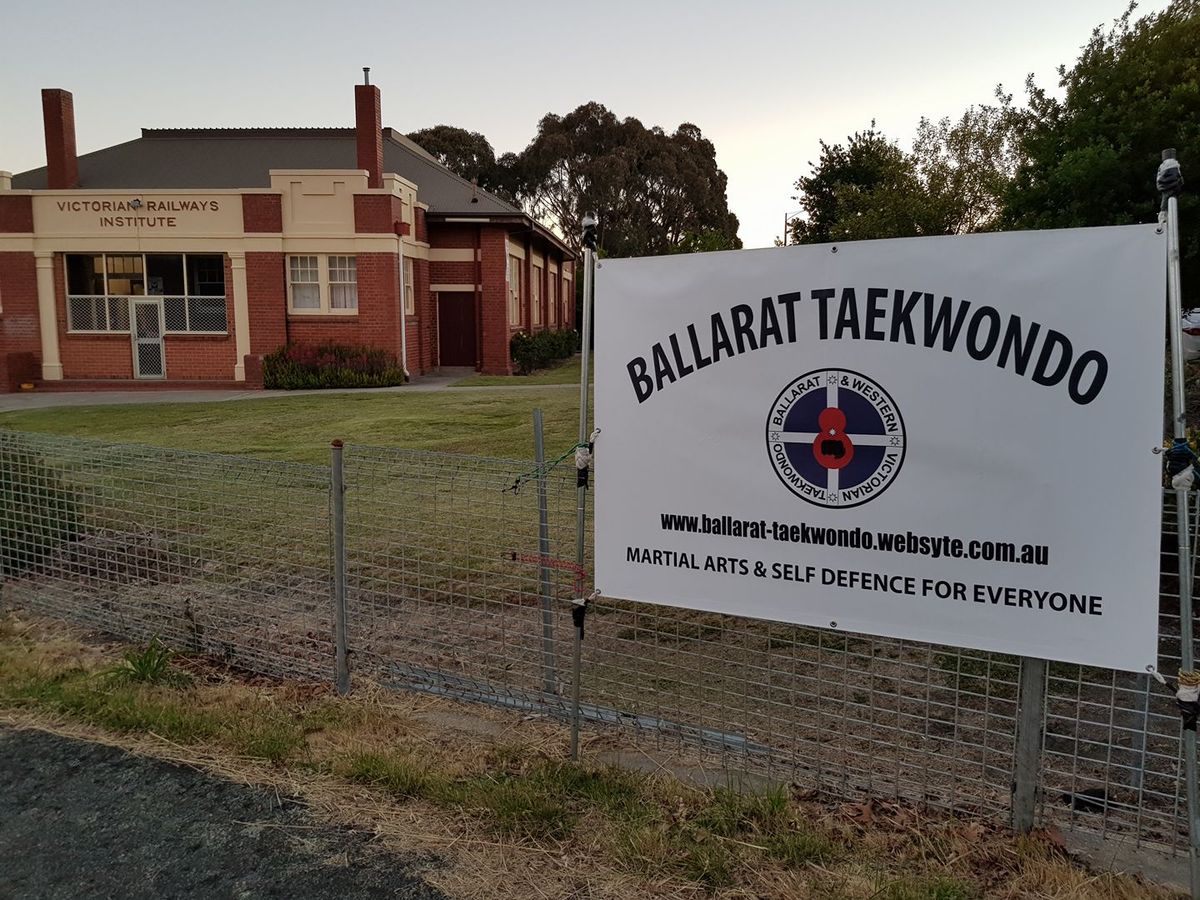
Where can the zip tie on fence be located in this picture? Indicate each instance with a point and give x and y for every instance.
(1181, 461)
(1188, 698)
(583, 459)
(579, 609)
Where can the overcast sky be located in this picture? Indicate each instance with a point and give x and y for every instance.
(764, 80)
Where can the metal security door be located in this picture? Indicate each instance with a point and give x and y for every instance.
(146, 317)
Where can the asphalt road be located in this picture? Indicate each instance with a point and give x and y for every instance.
(82, 820)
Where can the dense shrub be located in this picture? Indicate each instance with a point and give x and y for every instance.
(536, 351)
(330, 366)
(38, 511)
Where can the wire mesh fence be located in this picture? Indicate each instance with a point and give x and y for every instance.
(453, 587)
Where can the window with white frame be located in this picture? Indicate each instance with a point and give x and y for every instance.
(535, 295)
(192, 288)
(410, 295)
(304, 280)
(343, 282)
(552, 299)
(322, 285)
(514, 290)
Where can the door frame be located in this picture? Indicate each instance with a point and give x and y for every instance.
(136, 340)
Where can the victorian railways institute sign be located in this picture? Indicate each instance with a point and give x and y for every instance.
(939, 439)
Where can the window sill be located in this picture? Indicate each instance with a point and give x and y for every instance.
(322, 314)
(81, 335)
(328, 319)
(197, 335)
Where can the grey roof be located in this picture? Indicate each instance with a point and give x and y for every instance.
(199, 158)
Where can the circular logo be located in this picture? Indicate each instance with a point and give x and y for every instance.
(835, 438)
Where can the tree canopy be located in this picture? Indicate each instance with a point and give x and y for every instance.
(1090, 158)
(950, 183)
(653, 192)
(466, 153)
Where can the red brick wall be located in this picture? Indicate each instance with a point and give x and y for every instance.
(422, 228)
(266, 298)
(493, 314)
(441, 272)
(422, 329)
(18, 296)
(377, 213)
(460, 237)
(262, 213)
(377, 323)
(16, 214)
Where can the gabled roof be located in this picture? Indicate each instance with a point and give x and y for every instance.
(200, 158)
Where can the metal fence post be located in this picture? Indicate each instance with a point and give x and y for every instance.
(589, 272)
(338, 516)
(549, 681)
(1179, 414)
(1031, 715)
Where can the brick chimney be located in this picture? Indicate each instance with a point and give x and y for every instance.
(58, 116)
(368, 126)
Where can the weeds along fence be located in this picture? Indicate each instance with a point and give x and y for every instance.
(453, 589)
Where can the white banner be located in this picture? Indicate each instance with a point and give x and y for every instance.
(941, 439)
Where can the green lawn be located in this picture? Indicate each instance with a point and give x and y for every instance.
(487, 423)
(566, 372)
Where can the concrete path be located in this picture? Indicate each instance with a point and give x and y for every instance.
(439, 381)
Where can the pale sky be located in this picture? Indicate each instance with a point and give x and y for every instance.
(763, 80)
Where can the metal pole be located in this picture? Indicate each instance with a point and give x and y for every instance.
(1031, 713)
(1179, 410)
(539, 456)
(589, 264)
(338, 512)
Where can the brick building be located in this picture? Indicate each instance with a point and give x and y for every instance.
(187, 254)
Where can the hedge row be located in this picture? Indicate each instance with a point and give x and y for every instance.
(536, 351)
(330, 366)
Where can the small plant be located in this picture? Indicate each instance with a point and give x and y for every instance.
(151, 665)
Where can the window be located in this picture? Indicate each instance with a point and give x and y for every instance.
(192, 287)
(343, 282)
(552, 300)
(514, 291)
(535, 294)
(568, 300)
(320, 285)
(410, 296)
(305, 282)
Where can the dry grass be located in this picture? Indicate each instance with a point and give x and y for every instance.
(489, 792)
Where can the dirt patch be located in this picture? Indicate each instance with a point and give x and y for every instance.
(79, 819)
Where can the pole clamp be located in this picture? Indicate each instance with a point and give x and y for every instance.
(1169, 180)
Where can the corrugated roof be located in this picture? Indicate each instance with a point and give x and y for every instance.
(199, 158)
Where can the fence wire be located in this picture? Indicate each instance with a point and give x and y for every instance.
(451, 592)
(214, 554)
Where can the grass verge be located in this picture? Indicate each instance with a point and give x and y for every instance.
(298, 429)
(566, 372)
(390, 763)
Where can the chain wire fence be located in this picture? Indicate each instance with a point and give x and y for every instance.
(455, 588)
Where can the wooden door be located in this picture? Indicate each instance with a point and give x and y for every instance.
(456, 328)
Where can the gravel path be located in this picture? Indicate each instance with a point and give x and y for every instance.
(83, 820)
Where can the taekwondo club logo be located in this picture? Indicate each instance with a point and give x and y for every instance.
(835, 438)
